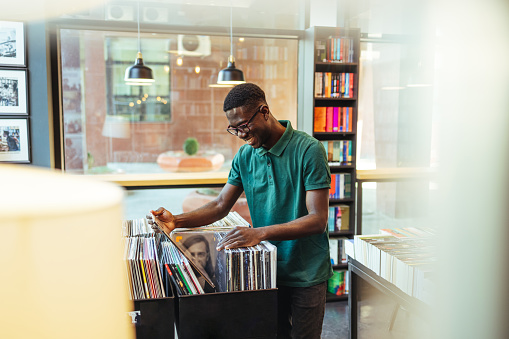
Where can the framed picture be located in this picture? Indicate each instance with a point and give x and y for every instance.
(12, 44)
(14, 143)
(13, 91)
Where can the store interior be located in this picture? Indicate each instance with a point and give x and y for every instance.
(430, 143)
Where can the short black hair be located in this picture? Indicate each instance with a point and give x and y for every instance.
(196, 239)
(247, 94)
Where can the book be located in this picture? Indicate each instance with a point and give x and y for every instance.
(334, 251)
(320, 119)
(336, 283)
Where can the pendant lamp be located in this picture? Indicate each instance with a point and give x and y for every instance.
(139, 74)
(230, 75)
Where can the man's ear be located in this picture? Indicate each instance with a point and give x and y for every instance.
(265, 111)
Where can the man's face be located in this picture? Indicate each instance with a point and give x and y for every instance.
(199, 252)
(250, 123)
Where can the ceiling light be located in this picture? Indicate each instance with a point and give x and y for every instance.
(138, 74)
(230, 75)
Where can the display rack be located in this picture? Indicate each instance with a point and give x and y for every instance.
(331, 84)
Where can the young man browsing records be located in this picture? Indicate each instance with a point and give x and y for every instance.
(285, 176)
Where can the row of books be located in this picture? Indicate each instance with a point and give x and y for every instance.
(335, 49)
(409, 232)
(341, 186)
(337, 250)
(334, 85)
(339, 152)
(339, 218)
(339, 282)
(405, 261)
(277, 53)
(333, 119)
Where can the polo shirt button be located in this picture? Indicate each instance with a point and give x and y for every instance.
(268, 164)
(270, 176)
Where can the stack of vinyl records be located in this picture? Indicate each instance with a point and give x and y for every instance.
(142, 263)
(247, 268)
(188, 259)
(239, 269)
(179, 270)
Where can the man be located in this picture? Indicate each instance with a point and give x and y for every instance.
(198, 248)
(286, 179)
(12, 142)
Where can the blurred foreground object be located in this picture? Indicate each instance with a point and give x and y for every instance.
(36, 10)
(61, 258)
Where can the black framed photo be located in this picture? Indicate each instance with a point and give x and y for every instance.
(13, 91)
(14, 143)
(12, 44)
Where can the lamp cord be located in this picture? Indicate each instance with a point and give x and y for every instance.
(139, 41)
(231, 29)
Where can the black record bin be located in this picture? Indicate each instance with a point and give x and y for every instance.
(154, 318)
(227, 315)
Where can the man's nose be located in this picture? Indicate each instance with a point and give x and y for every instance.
(242, 134)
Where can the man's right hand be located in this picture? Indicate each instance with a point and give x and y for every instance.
(163, 218)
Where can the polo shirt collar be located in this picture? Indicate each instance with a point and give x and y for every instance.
(281, 144)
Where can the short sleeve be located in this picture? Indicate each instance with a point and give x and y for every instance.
(316, 168)
(234, 177)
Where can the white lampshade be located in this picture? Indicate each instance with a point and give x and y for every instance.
(62, 274)
(116, 127)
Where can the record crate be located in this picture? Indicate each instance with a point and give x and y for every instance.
(227, 315)
(156, 318)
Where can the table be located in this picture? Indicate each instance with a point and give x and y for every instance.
(358, 271)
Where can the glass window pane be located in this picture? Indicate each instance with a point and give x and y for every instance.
(397, 125)
(112, 127)
(396, 104)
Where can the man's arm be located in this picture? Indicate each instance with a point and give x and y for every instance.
(317, 203)
(204, 215)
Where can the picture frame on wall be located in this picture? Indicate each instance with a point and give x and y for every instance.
(12, 44)
(13, 91)
(14, 141)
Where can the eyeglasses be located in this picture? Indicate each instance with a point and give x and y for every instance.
(244, 128)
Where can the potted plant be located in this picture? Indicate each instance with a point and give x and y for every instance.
(190, 159)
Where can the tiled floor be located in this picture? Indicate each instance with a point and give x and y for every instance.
(335, 321)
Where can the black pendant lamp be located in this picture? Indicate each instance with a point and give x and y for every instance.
(231, 75)
(139, 74)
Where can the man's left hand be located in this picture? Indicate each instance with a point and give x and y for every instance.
(240, 237)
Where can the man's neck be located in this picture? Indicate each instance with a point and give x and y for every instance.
(277, 132)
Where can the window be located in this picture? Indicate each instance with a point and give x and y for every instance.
(111, 127)
(396, 129)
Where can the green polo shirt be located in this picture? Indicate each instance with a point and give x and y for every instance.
(275, 182)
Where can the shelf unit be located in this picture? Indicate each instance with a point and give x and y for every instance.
(318, 60)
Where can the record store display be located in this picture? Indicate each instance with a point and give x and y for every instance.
(187, 259)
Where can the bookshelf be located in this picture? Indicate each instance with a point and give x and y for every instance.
(331, 96)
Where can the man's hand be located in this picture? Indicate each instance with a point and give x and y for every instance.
(240, 237)
(163, 218)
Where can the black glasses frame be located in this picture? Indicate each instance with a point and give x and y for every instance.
(244, 128)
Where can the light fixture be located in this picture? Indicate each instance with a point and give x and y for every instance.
(138, 74)
(197, 69)
(180, 61)
(230, 75)
(213, 83)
